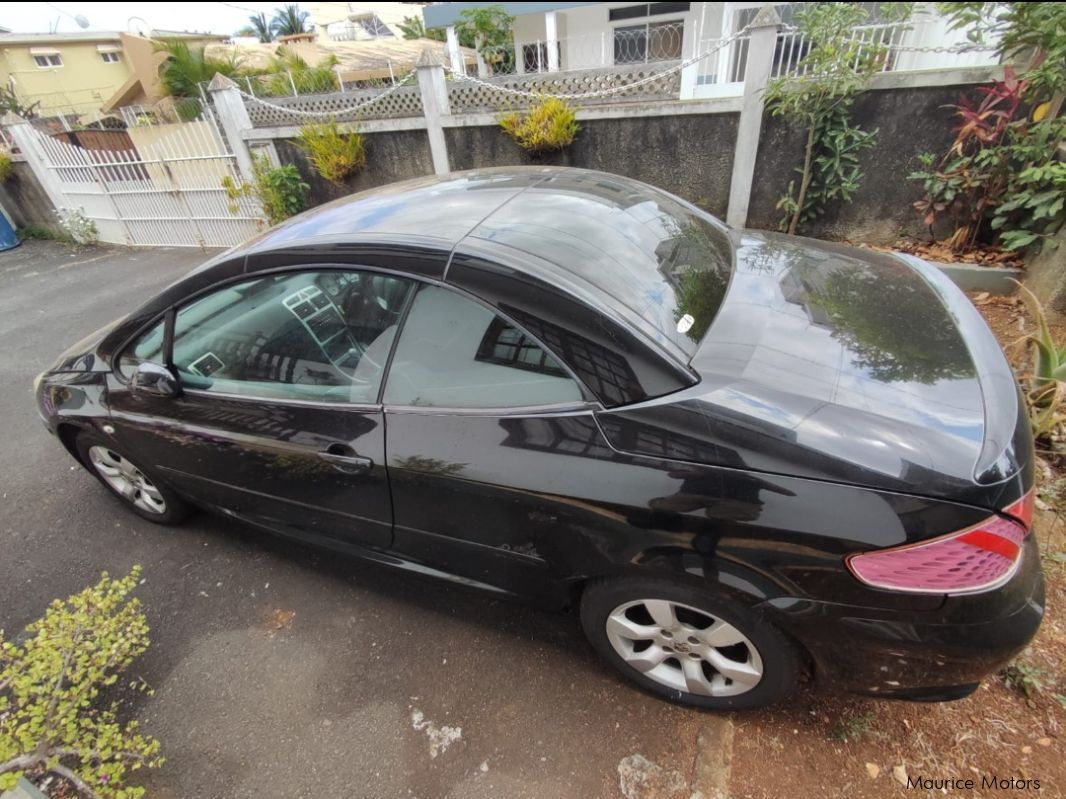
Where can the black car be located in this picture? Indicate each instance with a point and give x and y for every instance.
(742, 456)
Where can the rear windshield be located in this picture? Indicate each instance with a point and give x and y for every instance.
(664, 266)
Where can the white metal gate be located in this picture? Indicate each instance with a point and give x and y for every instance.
(167, 191)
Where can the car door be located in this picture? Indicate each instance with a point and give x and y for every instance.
(491, 447)
(279, 421)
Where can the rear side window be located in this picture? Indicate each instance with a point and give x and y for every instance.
(455, 353)
(317, 336)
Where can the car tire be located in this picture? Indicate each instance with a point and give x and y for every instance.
(137, 488)
(680, 663)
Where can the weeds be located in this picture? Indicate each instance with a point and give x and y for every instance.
(551, 124)
(1025, 678)
(334, 155)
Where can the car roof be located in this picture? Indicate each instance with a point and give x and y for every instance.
(600, 237)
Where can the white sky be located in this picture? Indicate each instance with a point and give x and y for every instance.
(212, 17)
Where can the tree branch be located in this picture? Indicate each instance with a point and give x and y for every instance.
(21, 763)
(80, 785)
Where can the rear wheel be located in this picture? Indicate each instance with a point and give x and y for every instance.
(689, 645)
(143, 493)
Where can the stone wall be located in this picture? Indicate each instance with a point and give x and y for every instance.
(909, 122)
(25, 201)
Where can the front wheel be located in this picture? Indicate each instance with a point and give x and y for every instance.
(692, 646)
(143, 494)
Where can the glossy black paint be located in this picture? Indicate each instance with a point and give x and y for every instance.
(812, 420)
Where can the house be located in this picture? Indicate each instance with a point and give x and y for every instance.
(144, 57)
(349, 22)
(77, 74)
(549, 37)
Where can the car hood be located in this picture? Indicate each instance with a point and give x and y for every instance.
(82, 357)
(837, 363)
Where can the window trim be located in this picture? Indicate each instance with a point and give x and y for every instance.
(46, 57)
(589, 402)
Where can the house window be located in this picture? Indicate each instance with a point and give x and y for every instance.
(110, 58)
(646, 10)
(535, 56)
(375, 27)
(652, 41)
(46, 61)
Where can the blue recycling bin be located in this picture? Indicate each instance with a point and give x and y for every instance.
(8, 238)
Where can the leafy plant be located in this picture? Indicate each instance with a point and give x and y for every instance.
(79, 227)
(287, 69)
(334, 155)
(289, 20)
(550, 124)
(835, 171)
(10, 102)
(817, 99)
(279, 189)
(1045, 394)
(50, 685)
(1024, 677)
(6, 165)
(186, 67)
(1007, 179)
(489, 28)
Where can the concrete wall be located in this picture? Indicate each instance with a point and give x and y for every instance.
(691, 156)
(25, 201)
(909, 122)
(391, 157)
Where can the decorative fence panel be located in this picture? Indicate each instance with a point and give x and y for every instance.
(493, 94)
(165, 191)
(268, 112)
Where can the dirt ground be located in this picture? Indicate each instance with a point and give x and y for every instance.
(839, 747)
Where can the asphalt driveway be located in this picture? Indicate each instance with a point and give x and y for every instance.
(280, 671)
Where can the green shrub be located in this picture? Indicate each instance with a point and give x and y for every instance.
(50, 684)
(6, 165)
(550, 124)
(279, 189)
(334, 155)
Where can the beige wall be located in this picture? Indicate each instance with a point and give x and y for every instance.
(80, 86)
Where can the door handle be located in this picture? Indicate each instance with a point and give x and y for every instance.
(345, 459)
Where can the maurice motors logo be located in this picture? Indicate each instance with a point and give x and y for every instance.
(985, 782)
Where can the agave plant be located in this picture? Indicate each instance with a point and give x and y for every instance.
(1046, 395)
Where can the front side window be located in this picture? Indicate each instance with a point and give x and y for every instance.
(45, 61)
(318, 336)
(110, 58)
(455, 353)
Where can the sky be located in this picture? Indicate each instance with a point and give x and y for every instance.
(211, 17)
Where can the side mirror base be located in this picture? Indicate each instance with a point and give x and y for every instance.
(154, 380)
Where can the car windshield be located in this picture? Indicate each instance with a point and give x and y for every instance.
(662, 264)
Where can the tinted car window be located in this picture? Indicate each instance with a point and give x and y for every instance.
(322, 336)
(456, 353)
(661, 264)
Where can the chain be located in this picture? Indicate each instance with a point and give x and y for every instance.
(612, 89)
(955, 48)
(325, 114)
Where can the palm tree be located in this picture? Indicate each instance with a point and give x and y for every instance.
(185, 67)
(261, 28)
(289, 20)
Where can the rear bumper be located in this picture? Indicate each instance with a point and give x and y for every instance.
(924, 656)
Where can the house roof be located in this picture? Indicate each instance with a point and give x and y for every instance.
(353, 56)
(93, 36)
(440, 15)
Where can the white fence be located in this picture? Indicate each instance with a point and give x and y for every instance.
(166, 190)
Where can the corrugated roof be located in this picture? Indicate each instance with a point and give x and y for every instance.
(351, 56)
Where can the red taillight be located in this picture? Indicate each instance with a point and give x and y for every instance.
(974, 559)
